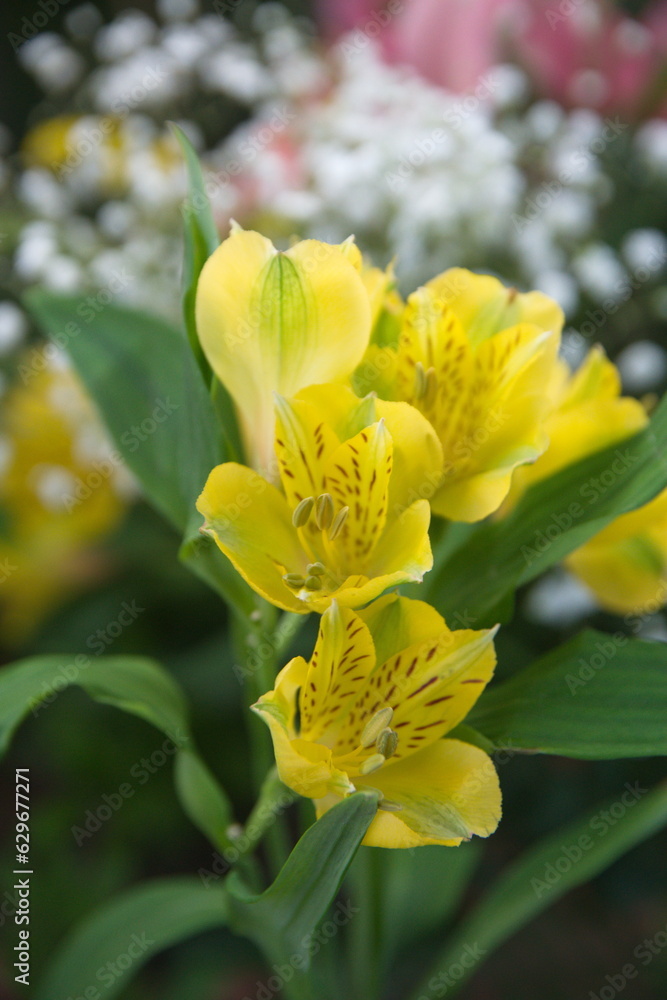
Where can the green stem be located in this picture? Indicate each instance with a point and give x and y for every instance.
(366, 943)
(274, 798)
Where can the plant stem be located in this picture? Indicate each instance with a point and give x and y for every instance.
(366, 942)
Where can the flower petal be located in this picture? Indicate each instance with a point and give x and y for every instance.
(272, 321)
(447, 792)
(485, 306)
(431, 685)
(417, 471)
(251, 523)
(342, 659)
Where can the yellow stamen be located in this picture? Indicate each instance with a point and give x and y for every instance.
(294, 580)
(324, 511)
(375, 726)
(313, 583)
(372, 764)
(339, 521)
(387, 742)
(302, 512)
(316, 569)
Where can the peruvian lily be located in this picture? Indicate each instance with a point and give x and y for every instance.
(370, 710)
(350, 522)
(589, 414)
(278, 322)
(475, 357)
(625, 565)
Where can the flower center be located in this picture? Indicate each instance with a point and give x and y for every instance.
(318, 519)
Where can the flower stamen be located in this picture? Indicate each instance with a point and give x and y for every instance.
(339, 521)
(302, 512)
(376, 726)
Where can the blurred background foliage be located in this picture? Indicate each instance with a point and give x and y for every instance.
(600, 231)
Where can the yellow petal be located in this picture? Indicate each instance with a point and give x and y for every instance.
(625, 565)
(485, 306)
(270, 321)
(404, 550)
(447, 792)
(417, 455)
(304, 442)
(397, 622)
(342, 659)
(431, 685)
(251, 523)
(357, 476)
(589, 415)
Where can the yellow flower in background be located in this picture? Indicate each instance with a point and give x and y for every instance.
(350, 522)
(589, 414)
(61, 491)
(106, 143)
(279, 322)
(370, 710)
(475, 358)
(625, 565)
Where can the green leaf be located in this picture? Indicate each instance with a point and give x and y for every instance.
(135, 685)
(201, 797)
(598, 697)
(143, 378)
(107, 950)
(422, 890)
(570, 857)
(282, 917)
(198, 208)
(552, 519)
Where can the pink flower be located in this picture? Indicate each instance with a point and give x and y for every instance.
(578, 52)
(593, 56)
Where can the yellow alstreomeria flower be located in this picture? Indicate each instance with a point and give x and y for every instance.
(625, 565)
(279, 322)
(62, 491)
(589, 414)
(370, 710)
(350, 522)
(475, 357)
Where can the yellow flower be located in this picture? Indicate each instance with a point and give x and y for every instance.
(350, 522)
(589, 414)
(279, 322)
(61, 491)
(370, 710)
(625, 565)
(474, 357)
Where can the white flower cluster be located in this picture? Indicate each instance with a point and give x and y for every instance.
(331, 144)
(107, 212)
(436, 179)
